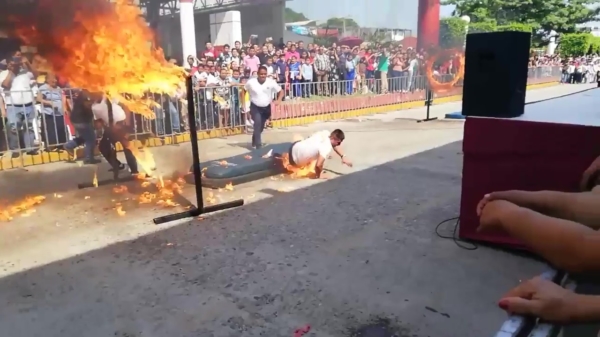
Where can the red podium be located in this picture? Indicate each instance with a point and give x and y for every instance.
(547, 148)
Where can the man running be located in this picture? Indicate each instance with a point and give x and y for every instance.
(261, 90)
(317, 148)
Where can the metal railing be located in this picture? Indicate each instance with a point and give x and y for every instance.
(38, 120)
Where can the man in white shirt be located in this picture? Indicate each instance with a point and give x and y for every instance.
(110, 115)
(20, 110)
(316, 149)
(261, 91)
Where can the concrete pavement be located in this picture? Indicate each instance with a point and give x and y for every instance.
(332, 254)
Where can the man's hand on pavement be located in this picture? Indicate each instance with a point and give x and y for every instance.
(346, 162)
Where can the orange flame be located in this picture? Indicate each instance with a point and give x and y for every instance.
(306, 171)
(23, 207)
(100, 46)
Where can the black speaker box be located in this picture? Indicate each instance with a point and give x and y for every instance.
(496, 74)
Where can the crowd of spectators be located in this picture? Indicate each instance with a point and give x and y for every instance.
(305, 71)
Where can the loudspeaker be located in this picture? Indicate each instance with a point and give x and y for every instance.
(496, 66)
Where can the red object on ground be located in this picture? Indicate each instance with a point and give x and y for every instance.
(541, 153)
(302, 331)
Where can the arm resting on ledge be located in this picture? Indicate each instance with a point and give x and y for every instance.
(566, 244)
(583, 207)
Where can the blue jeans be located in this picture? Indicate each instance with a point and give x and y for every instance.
(160, 119)
(20, 121)
(86, 135)
(350, 75)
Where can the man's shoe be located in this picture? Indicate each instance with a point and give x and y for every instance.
(121, 168)
(92, 161)
(32, 152)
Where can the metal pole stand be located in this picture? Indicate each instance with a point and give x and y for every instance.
(428, 102)
(199, 209)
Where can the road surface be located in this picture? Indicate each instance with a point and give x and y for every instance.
(336, 254)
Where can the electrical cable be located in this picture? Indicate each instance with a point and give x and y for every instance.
(467, 245)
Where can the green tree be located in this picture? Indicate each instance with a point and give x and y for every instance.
(559, 15)
(483, 27)
(576, 44)
(291, 15)
(452, 33)
(339, 23)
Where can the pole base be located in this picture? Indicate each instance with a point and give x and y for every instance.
(427, 120)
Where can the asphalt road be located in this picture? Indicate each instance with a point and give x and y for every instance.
(336, 254)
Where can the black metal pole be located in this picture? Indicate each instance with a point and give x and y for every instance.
(428, 102)
(196, 170)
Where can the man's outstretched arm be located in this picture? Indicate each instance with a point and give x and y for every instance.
(583, 207)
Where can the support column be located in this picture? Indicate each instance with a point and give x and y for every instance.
(188, 29)
(225, 28)
(428, 32)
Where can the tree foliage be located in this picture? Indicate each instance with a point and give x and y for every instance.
(559, 15)
(452, 33)
(483, 27)
(576, 44)
(291, 15)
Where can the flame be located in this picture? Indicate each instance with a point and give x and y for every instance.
(436, 86)
(229, 186)
(100, 46)
(95, 178)
(119, 209)
(306, 171)
(23, 207)
(248, 157)
(145, 159)
(210, 198)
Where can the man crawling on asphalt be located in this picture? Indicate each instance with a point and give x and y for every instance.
(317, 148)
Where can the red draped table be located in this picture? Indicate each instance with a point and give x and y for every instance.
(547, 148)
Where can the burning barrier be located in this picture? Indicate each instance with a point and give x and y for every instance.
(100, 46)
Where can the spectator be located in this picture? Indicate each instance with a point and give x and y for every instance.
(292, 52)
(306, 74)
(225, 57)
(322, 67)
(20, 112)
(53, 103)
(382, 70)
(209, 52)
(251, 61)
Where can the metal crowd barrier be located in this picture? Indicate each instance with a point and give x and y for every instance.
(28, 126)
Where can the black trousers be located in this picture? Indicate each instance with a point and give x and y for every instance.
(107, 146)
(54, 131)
(260, 115)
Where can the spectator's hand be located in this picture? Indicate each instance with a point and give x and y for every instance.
(491, 213)
(588, 173)
(543, 299)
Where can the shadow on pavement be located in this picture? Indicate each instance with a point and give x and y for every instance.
(332, 255)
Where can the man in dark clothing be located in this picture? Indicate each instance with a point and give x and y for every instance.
(82, 119)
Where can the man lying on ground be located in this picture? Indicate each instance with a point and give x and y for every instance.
(317, 148)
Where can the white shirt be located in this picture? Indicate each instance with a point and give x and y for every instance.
(100, 111)
(20, 89)
(310, 149)
(261, 95)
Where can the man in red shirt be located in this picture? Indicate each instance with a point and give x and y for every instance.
(210, 51)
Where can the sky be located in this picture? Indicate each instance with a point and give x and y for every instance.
(368, 13)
